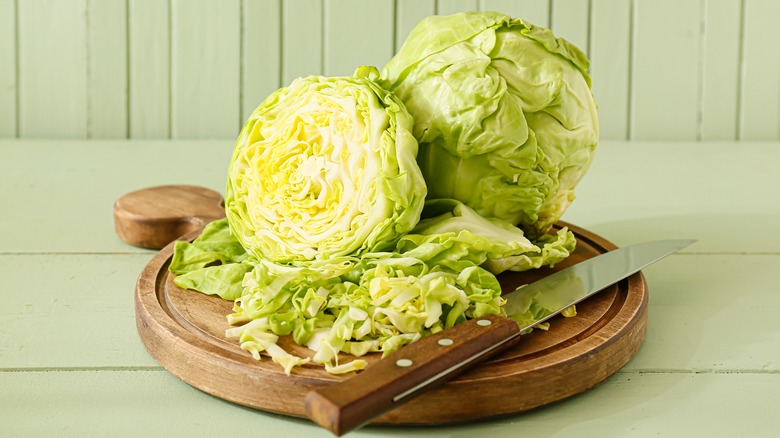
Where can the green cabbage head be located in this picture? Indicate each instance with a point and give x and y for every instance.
(503, 112)
(323, 168)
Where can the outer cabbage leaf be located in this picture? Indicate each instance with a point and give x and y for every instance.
(323, 168)
(222, 280)
(451, 233)
(212, 263)
(503, 112)
(215, 245)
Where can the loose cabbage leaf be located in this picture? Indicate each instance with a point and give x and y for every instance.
(215, 245)
(451, 232)
(222, 280)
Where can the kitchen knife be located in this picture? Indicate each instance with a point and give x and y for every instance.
(434, 359)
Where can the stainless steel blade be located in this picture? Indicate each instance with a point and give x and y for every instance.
(534, 303)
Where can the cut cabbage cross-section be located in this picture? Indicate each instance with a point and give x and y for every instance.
(324, 168)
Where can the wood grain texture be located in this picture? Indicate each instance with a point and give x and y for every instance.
(205, 65)
(155, 216)
(107, 69)
(610, 56)
(301, 39)
(260, 52)
(357, 33)
(150, 69)
(760, 94)
(720, 69)
(665, 84)
(8, 79)
(185, 332)
(52, 69)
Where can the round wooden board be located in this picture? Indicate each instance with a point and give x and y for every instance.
(185, 332)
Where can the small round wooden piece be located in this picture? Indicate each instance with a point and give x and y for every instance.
(155, 216)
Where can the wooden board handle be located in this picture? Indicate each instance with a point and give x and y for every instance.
(156, 216)
(404, 374)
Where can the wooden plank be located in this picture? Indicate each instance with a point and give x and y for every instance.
(301, 39)
(644, 206)
(687, 201)
(760, 94)
(357, 33)
(665, 70)
(107, 68)
(8, 68)
(570, 19)
(92, 306)
(609, 51)
(407, 14)
(110, 403)
(205, 65)
(52, 69)
(78, 182)
(260, 52)
(692, 294)
(447, 7)
(534, 11)
(150, 69)
(720, 70)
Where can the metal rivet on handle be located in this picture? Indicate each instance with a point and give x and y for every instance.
(484, 322)
(404, 363)
(445, 342)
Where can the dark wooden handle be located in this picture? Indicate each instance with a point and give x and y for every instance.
(156, 216)
(404, 374)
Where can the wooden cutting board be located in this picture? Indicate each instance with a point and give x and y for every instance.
(185, 332)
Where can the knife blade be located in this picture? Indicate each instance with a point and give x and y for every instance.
(408, 372)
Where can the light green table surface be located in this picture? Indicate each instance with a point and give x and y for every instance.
(71, 362)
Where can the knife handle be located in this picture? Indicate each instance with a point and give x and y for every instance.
(399, 377)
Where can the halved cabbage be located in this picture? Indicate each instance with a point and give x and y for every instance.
(323, 168)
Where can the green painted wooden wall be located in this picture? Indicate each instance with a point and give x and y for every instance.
(662, 69)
